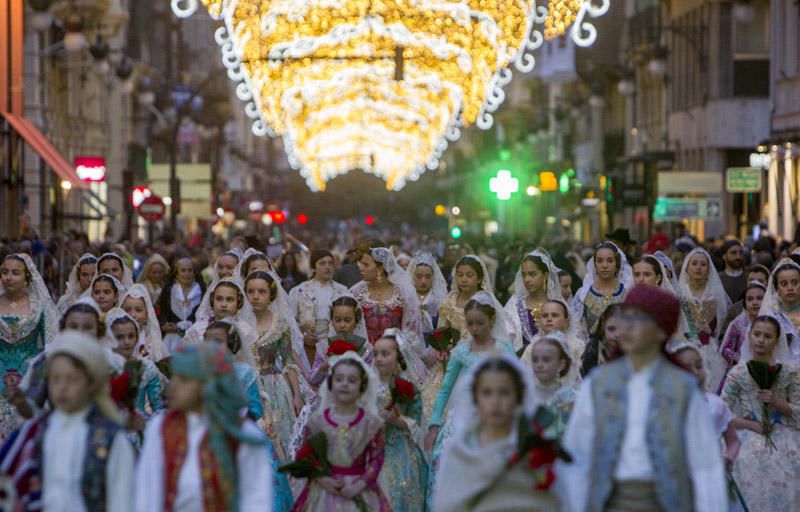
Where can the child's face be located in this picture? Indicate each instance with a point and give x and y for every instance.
(566, 286)
(789, 286)
(104, 295)
(496, 399)
(126, 336)
(344, 319)
(692, 361)
(758, 276)
(532, 277)
(258, 294)
(217, 335)
(185, 394)
(479, 324)
(386, 356)
(640, 334)
(86, 274)
(346, 384)
(698, 268)
(547, 362)
(136, 308)
(553, 318)
(225, 299)
(466, 279)
(226, 264)
(423, 278)
(260, 265)
(763, 339)
(82, 322)
(68, 385)
(752, 300)
(605, 263)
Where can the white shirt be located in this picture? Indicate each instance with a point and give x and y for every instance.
(703, 452)
(253, 465)
(64, 453)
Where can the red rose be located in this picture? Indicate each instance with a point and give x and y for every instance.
(704, 337)
(340, 347)
(305, 451)
(404, 387)
(119, 387)
(544, 483)
(541, 456)
(437, 335)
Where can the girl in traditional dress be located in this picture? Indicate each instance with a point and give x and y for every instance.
(311, 301)
(28, 321)
(355, 441)
(224, 299)
(136, 302)
(224, 332)
(124, 329)
(113, 265)
(486, 332)
(536, 283)
(405, 473)
(76, 457)
(782, 300)
(154, 275)
(603, 344)
(387, 297)
(105, 291)
(556, 317)
(200, 454)
(736, 335)
(474, 473)
(705, 304)
(347, 323)
(178, 305)
(608, 277)
(278, 355)
(767, 468)
(551, 361)
(469, 277)
(431, 288)
(80, 277)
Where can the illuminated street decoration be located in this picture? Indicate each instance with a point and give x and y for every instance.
(380, 86)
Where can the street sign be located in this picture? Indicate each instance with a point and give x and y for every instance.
(678, 208)
(743, 179)
(152, 208)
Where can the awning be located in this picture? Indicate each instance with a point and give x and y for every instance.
(39, 143)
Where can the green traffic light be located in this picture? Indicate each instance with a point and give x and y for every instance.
(563, 183)
(455, 232)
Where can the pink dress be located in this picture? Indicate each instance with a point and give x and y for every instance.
(355, 451)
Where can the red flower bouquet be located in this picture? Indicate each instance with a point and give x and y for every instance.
(402, 391)
(125, 386)
(443, 339)
(340, 347)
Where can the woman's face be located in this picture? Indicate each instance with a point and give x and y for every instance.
(226, 264)
(258, 294)
(479, 324)
(136, 308)
(12, 275)
(127, 338)
(547, 362)
(605, 263)
(553, 317)
(184, 272)
(789, 286)
(532, 277)
(369, 268)
(156, 274)
(386, 357)
(112, 267)
(86, 273)
(496, 399)
(467, 279)
(104, 295)
(763, 339)
(698, 268)
(643, 273)
(423, 279)
(225, 302)
(343, 319)
(80, 321)
(324, 268)
(752, 300)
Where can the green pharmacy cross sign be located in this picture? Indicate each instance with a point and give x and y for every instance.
(504, 185)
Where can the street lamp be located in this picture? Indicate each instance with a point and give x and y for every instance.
(74, 40)
(657, 65)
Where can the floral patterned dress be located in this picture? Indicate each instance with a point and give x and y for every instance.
(595, 304)
(734, 338)
(379, 316)
(355, 450)
(405, 472)
(702, 331)
(273, 355)
(16, 354)
(767, 475)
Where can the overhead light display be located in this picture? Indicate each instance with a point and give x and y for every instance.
(379, 85)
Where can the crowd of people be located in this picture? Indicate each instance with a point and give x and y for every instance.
(402, 374)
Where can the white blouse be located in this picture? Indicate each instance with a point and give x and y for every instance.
(64, 453)
(703, 452)
(253, 464)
